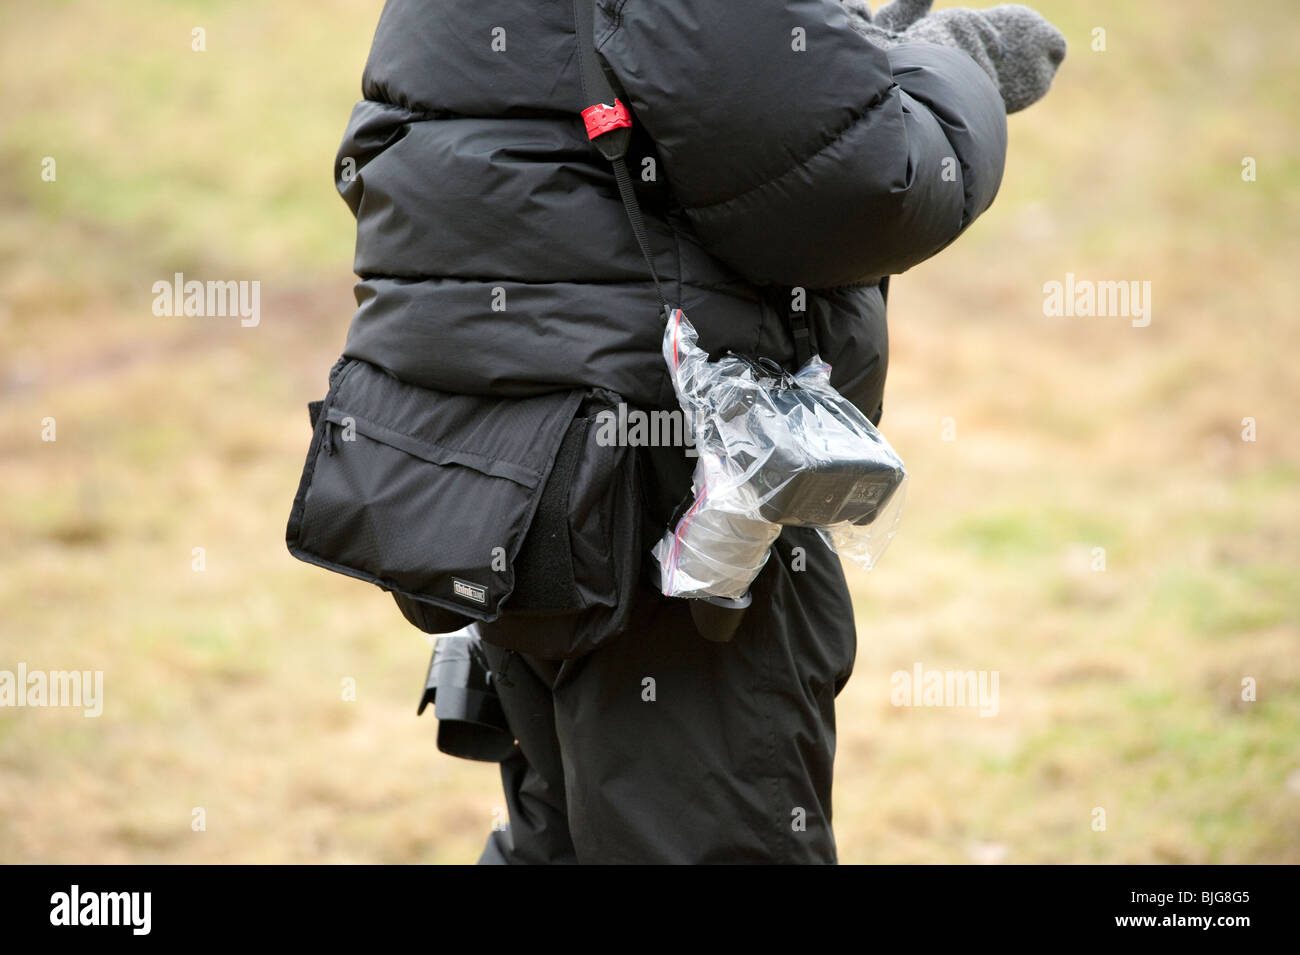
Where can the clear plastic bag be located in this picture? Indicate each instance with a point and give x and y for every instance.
(774, 449)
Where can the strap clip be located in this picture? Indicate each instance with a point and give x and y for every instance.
(801, 332)
(603, 118)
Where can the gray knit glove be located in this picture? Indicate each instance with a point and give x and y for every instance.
(1014, 45)
(898, 15)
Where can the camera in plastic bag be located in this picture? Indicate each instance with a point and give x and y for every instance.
(774, 449)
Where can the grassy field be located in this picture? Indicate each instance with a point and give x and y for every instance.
(1031, 442)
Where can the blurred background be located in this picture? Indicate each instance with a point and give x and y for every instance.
(1036, 446)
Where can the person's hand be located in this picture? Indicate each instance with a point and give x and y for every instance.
(900, 14)
(1014, 45)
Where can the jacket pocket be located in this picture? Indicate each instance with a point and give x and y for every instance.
(471, 508)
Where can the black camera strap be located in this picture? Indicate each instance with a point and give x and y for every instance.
(805, 344)
(609, 126)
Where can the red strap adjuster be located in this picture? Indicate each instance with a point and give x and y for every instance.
(602, 118)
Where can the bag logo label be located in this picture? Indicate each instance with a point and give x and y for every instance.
(463, 588)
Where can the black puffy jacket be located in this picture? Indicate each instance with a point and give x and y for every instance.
(773, 147)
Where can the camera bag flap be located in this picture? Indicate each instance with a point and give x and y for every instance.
(426, 494)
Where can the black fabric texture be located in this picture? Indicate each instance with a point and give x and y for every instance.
(731, 762)
(493, 251)
(424, 493)
(545, 562)
(475, 508)
(594, 540)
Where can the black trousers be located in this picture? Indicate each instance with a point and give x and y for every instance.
(661, 747)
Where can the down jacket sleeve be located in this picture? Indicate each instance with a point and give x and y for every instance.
(801, 153)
